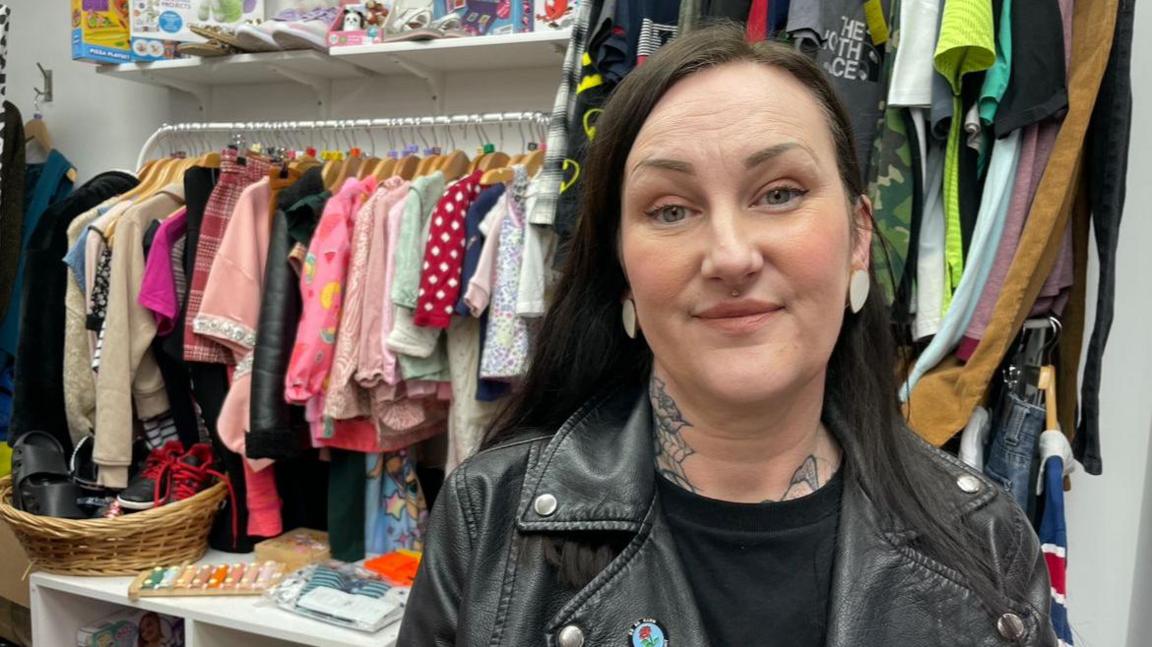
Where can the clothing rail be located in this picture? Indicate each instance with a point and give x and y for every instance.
(538, 119)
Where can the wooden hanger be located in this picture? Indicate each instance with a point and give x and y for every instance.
(368, 168)
(385, 169)
(533, 162)
(455, 166)
(407, 167)
(502, 175)
(150, 177)
(1047, 384)
(491, 161)
(331, 173)
(429, 164)
(36, 131)
(351, 166)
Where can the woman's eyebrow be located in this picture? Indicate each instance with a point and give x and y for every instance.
(772, 152)
(752, 161)
(666, 164)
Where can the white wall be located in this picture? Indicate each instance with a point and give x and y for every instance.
(100, 123)
(97, 123)
(1110, 516)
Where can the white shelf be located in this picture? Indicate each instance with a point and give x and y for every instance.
(60, 601)
(240, 69)
(505, 52)
(470, 54)
(430, 61)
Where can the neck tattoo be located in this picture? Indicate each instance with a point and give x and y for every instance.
(672, 450)
(671, 447)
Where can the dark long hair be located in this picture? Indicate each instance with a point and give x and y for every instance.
(582, 348)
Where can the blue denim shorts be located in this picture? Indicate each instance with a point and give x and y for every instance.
(1011, 458)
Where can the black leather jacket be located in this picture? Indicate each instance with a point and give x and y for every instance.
(276, 428)
(484, 579)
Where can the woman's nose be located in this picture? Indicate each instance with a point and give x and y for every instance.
(732, 255)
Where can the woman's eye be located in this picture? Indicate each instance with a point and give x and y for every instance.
(781, 196)
(669, 214)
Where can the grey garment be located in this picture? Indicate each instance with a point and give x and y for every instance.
(689, 16)
(838, 33)
(551, 176)
(1011, 460)
(1107, 160)
(940, 114)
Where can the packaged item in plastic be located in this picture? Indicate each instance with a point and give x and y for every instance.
(341, 594)
(132, 627)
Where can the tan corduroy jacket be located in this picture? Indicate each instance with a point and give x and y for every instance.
(128, 372)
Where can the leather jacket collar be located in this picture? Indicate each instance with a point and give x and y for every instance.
(598, 469)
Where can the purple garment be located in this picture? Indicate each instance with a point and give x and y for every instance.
(158, 287)
(1036, 143)
(1057, 288)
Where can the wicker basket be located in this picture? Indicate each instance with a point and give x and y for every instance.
(170, 534)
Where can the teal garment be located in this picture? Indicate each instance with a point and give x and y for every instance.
(46, 183)
(995, 84)
(423, 194)
(433, 368)
(997, 76)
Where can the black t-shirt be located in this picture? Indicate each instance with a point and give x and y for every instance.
(760, 572)
(1037, 88)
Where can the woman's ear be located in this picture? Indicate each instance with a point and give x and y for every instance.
(862, 226)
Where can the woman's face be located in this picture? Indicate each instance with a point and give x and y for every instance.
(732, 187)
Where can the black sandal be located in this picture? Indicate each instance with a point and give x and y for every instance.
(41, 483)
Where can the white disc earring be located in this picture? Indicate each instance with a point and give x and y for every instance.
(628, 313)
(858, 290)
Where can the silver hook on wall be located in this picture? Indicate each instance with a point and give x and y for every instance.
(43, 95)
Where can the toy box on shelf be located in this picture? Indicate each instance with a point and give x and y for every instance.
(555, 14)
(100, 31)
(132, 627)
(490, 17)
(158, 26)
(360, 23)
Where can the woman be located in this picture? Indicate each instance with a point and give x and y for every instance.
(708, 448)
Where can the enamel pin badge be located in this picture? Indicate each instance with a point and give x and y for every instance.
(647, 633)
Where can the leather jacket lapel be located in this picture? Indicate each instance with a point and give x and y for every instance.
(597, 468)
(646, 582)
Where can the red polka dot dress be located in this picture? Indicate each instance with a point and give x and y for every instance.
(444, 254)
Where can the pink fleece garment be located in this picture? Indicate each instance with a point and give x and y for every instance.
(322, 286)
(378, 367)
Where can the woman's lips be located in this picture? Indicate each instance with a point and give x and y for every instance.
(739, 325)
(739, 317)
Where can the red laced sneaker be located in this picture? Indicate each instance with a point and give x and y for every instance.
(192, 473)
(149, 488)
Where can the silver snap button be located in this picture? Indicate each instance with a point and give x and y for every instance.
(1010, 626)
(544, 505)
(571, 636)
(969, 484)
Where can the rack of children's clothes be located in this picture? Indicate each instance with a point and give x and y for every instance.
(332, 321)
